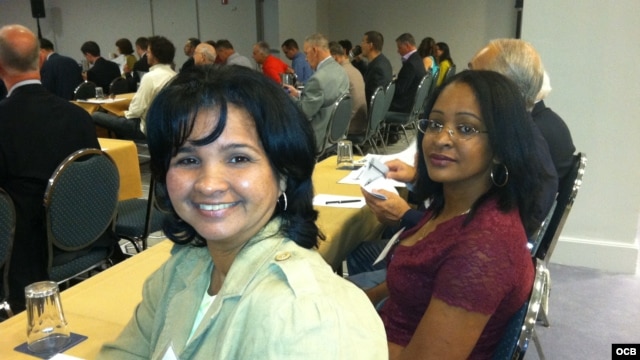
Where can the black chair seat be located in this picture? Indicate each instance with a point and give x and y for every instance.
(131, 218)
(81, 264)
(393, 118)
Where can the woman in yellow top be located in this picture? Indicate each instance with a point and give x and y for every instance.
(444, 60)
(126, 49)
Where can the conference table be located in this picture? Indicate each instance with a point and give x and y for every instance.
(116, 106)
(98, 307)
(125, 154)
(344, 228)
(101, 306)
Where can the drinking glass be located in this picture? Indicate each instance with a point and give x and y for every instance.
(345, 154)
(99, 93)
(47, 330)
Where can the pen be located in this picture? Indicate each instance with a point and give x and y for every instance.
(342, 201)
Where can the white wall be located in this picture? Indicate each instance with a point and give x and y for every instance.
(590, 49)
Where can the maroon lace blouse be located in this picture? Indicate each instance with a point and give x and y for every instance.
(483, 267)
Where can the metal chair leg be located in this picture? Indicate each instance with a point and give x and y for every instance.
(536, 342)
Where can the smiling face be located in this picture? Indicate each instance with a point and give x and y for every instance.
(227, 189)
(454, 162)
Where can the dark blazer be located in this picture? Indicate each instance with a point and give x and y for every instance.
(409, 77)
(103, 72)
(558, 137)
(37, 131)
(188, 64)
(61, 75)
(378, 73)
(134, 77)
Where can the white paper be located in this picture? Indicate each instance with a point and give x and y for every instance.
(387, 248)
(322, 199)
(101, 101)
(380, 183)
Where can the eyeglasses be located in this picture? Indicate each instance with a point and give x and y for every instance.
(460, 131)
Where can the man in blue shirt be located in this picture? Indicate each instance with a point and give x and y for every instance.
(299, 64)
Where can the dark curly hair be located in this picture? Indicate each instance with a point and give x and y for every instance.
(282, 128)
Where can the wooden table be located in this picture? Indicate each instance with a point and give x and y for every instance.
(344, 228)
(125, 154)
(98, 307)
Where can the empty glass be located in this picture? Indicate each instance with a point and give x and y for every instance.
(47, 330)
(345, 154)
(99, 93)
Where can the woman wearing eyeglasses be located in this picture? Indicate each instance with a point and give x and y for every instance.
(455, 279)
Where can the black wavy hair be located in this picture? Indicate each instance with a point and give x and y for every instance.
(284, 132)
(509, 127)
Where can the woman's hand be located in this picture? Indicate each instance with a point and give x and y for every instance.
(400, 171)
(389, 211)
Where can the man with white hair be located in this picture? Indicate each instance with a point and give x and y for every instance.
(38, 130)
(204, 54)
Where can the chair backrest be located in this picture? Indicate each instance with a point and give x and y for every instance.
(377, 110)
(421, 95)
(7, 230)
(80, 200)
(341, 118)
(520, 328)
(389, 91)
(450, 72)
(84, 91)
(119, 85)
(567, 192)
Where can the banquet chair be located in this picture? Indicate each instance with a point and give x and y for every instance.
(376, 114)
(521, 327)
(389, 92)
(450, 72)
(119, 86)
(338, 124)
(137, 218)
(7, 231)
(80, 207)
(84, 91)
(547, 240)
(402, 120)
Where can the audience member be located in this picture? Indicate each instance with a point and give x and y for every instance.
(229, 56)
(427, 53)
(59, 74)
(141, 66)
(204, 54)
(228, 141)
(299, 65)
(358, 124)
(125, 51)
(445, 61)
(410, 75)
(38, 130)
(324, 87)
(521, 62)
(464, 270)
(189, 48)
(379, 72)
(355, 55)
(160, 53)
(272, 67)
(102, 71)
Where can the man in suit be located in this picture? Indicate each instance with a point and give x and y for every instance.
(141, 66)
(103, 71)
(59, 74)
(359, 123)
(160, 53)
(189, 49)
(410, 75)
(378, 71)
(38, 130)
(324, 87)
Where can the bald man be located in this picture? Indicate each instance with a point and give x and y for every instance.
(38, 130)
(204, 54)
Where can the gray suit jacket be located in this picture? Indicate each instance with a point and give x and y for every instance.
(322, 89)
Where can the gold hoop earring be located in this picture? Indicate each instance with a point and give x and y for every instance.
(506, 176)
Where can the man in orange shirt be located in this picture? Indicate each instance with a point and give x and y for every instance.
(271, 65)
